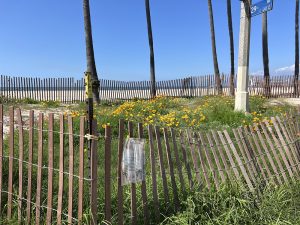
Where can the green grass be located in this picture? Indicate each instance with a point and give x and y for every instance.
(232, 204)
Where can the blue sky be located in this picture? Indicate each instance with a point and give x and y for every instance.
(46, 38)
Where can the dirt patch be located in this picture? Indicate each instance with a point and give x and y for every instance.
(25, 116)
(284, 101)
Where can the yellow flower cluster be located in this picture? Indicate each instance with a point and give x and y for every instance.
(160, 111)
(170, 119)
(73, 114)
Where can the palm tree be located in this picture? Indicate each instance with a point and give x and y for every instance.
(296, 75)
(214, 50)
(230, 29)
(267, 90)
(90, 58)
(150, 37)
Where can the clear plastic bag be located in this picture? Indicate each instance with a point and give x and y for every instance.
(133, 161)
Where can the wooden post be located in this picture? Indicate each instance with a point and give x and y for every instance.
(153, 173)
(171, 169)
(39, 169)
(1, 155)
(81, 169)
(61, 169)
(94, 162)
(30, 152)
(161, 163)
(107, 176)
(185, 160)
(133, 187)
(89, 111)
(144, 186)
(21, 152)
(50, 170)
(193, 155)
(178, 162)
(120, 187)
(11, 161)
(71, 169)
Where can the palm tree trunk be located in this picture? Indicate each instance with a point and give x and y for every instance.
(267, 90)
(230, 29)
(214, 51)
(150, 37)
(296, 75)
(90, 58)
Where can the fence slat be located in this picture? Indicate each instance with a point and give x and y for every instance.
(50, 171)
(220, 151)
(254, 137)
(94, 168)
(161, 163)
(177, 160)
(30, 153)
(289, 142)
(286, 163)
(21, 152)
(292, 124)
(232, 163)
(143, 185)
(120, 187)
(193, 154)
(285, 147)
(243, 149)
(153, 173)
(81, 169)
(185, 160)
(1, 155)
(278, 161)
(252, 153)
(171, 169)
(216, 157)
(133, 186)
(288, 127)
(107, 174)
(10, 165)
(39, 169)
(71, 169)
(61, 170)
(202, 162)
(208, 157)
(239, 161)
(269, 156)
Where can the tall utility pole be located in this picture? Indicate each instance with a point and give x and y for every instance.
(242, 94)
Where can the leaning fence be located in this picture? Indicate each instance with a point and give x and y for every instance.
(46, 175)
(72, 90)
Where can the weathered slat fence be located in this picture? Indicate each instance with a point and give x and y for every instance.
(71, 90)
(44, 172)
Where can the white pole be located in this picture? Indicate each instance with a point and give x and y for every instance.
(242, 95)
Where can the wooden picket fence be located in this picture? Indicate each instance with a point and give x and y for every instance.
(71, 90)
(45, 176)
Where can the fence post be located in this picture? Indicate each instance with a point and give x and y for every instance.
(94, 162)
(107, 181)
(1, 155)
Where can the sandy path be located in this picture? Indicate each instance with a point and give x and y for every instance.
(25, 116)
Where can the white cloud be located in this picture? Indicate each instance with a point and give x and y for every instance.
(258, 73)
(287, 70)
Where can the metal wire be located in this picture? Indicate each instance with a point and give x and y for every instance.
(46, 167)
(87, 136)
(42, 206)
